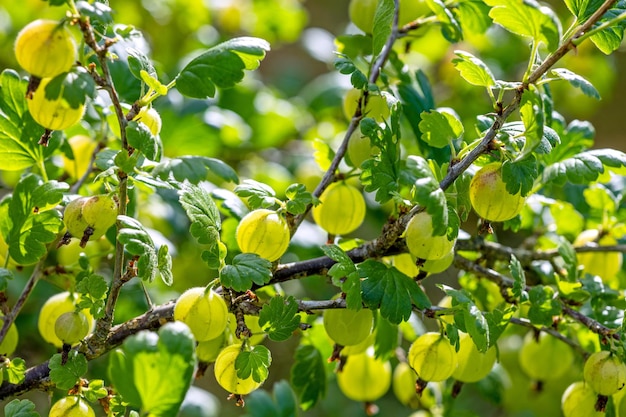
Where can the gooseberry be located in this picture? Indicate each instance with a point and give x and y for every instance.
(90, 217)
(72, 327)
(264, 232)
(151, 118)
(473, 364)
(606, 265)
(53, 113)
(8, 345)
(436, 266)
(45, 48)
(208, 350)
(360, 149)
(83, 148)
(579, 400)
(420, 240)
(403, 384)
(489, 196)
(51, 310)
(605, 372)
(226, 373)
(433, 357)
(71, 406)
(204, 311)
(348, 327)
(252, 323)
(376, 105)
(341, 209)
(364, 378)
(545, 357)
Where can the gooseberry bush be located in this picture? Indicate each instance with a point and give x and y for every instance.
(423, 219)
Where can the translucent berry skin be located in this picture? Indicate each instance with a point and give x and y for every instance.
(421, 242)
(205, 312)
(403, 384)
(51, 310)
(489, 196)
(45, 48)
(605, 372)
(544, 359)
(226, 373)
(473, 364)
(606, 265)
(53, 114)
(98, 212)
(151, 118)
(8, 345)
(364, 378)
(71, 406)
(72, 327)
(579, 400)
(341, 209)
(433, 357)
(265, 233)
(348, 327)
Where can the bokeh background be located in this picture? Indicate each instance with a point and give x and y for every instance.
(265, 128)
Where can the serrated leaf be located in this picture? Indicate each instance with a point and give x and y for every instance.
(583, 9)
(520, 176)
(470, 318)
(194, 169)
(229, 203)
(137, 242)
(531, 112)
(308, 376)
(141, 138)
(450, 28)
(65, 376)
(95, 391)
(282, 404)
(439, 128)
(543, 305)
(254, 362)
(345, 276)
(298, 198)
(427, 193)
(473, 70)
(31, 228)
(391, 291)
(382, 25)
(279, 318)
(20, 408)
(205, 221)
(98, 13)
(498, 320)
(610, 39)
(93, 290)
(526, 18)
(577, 81)
(165, 265)
(257, 193)
(519, 279)
(381, 176)
(584, 167)
(246, 269)
(222, 66)
(15, 372)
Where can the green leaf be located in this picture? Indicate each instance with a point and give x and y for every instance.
(440, 128)
(382, 25)
(323, 154)
(221, 66)
(75, 87)
(568, 254)
(34, 223)
(165, 265)
(257, 193)
(246, 269)
(577, 81)
(194, 169)
(279, 318)
(15, 372)
(526, 18)
(498, 320)
(140, 137)
(473, 70)
(308, 376)
(298, 198)
(543, 305)
(138, 242)
(427, 193)
(519, 279)
(381, 176)
(520, 176)
(95, 391)
(282, 404)
(584, 167)
(205, 221)
(391, 291)
(386, 339)
(470, 319)
(98, 13)
(345, 276)
(6, 275)
(153, 371)
(450, 28)
(65, 376)
(583, 9)
(19, 134)
(93, 290)
(531, 112)
(254, 363)
(473, 16)
(20, 408)
(610, 39)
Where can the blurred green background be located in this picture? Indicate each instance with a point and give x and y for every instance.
(265, 127)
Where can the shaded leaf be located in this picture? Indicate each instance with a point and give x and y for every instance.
(543, 305)
(308, 376)
(246, 269)
(257, 193)
(194, 169)
(20, 408)
(584, 167)
(577, 81)
(137, 242)
(279, 318)
(141, 138)
(65, 376)
(519, 279)
(281, 404)
(345, 276)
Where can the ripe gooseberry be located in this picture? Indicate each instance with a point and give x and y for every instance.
(90, 217)
(341, 209)
(436, 266)
(433, 357)
(208, 350)
(45, 48)
(348, 327)
(544, 358)
(204, 311)
(51, 310)
(579, 400)
(489, 196)
(264, 232)
(151, 118)
(82, 148)
(252, 323)
(364, 378)
(226, 373)
(376, 105)
(403, 384)
(72, 327)
(360, 149)
(8, 345)
(605, 372)
(54, 113)
(606, 265)
(420, 240)
(71, 406)
(473, 364)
